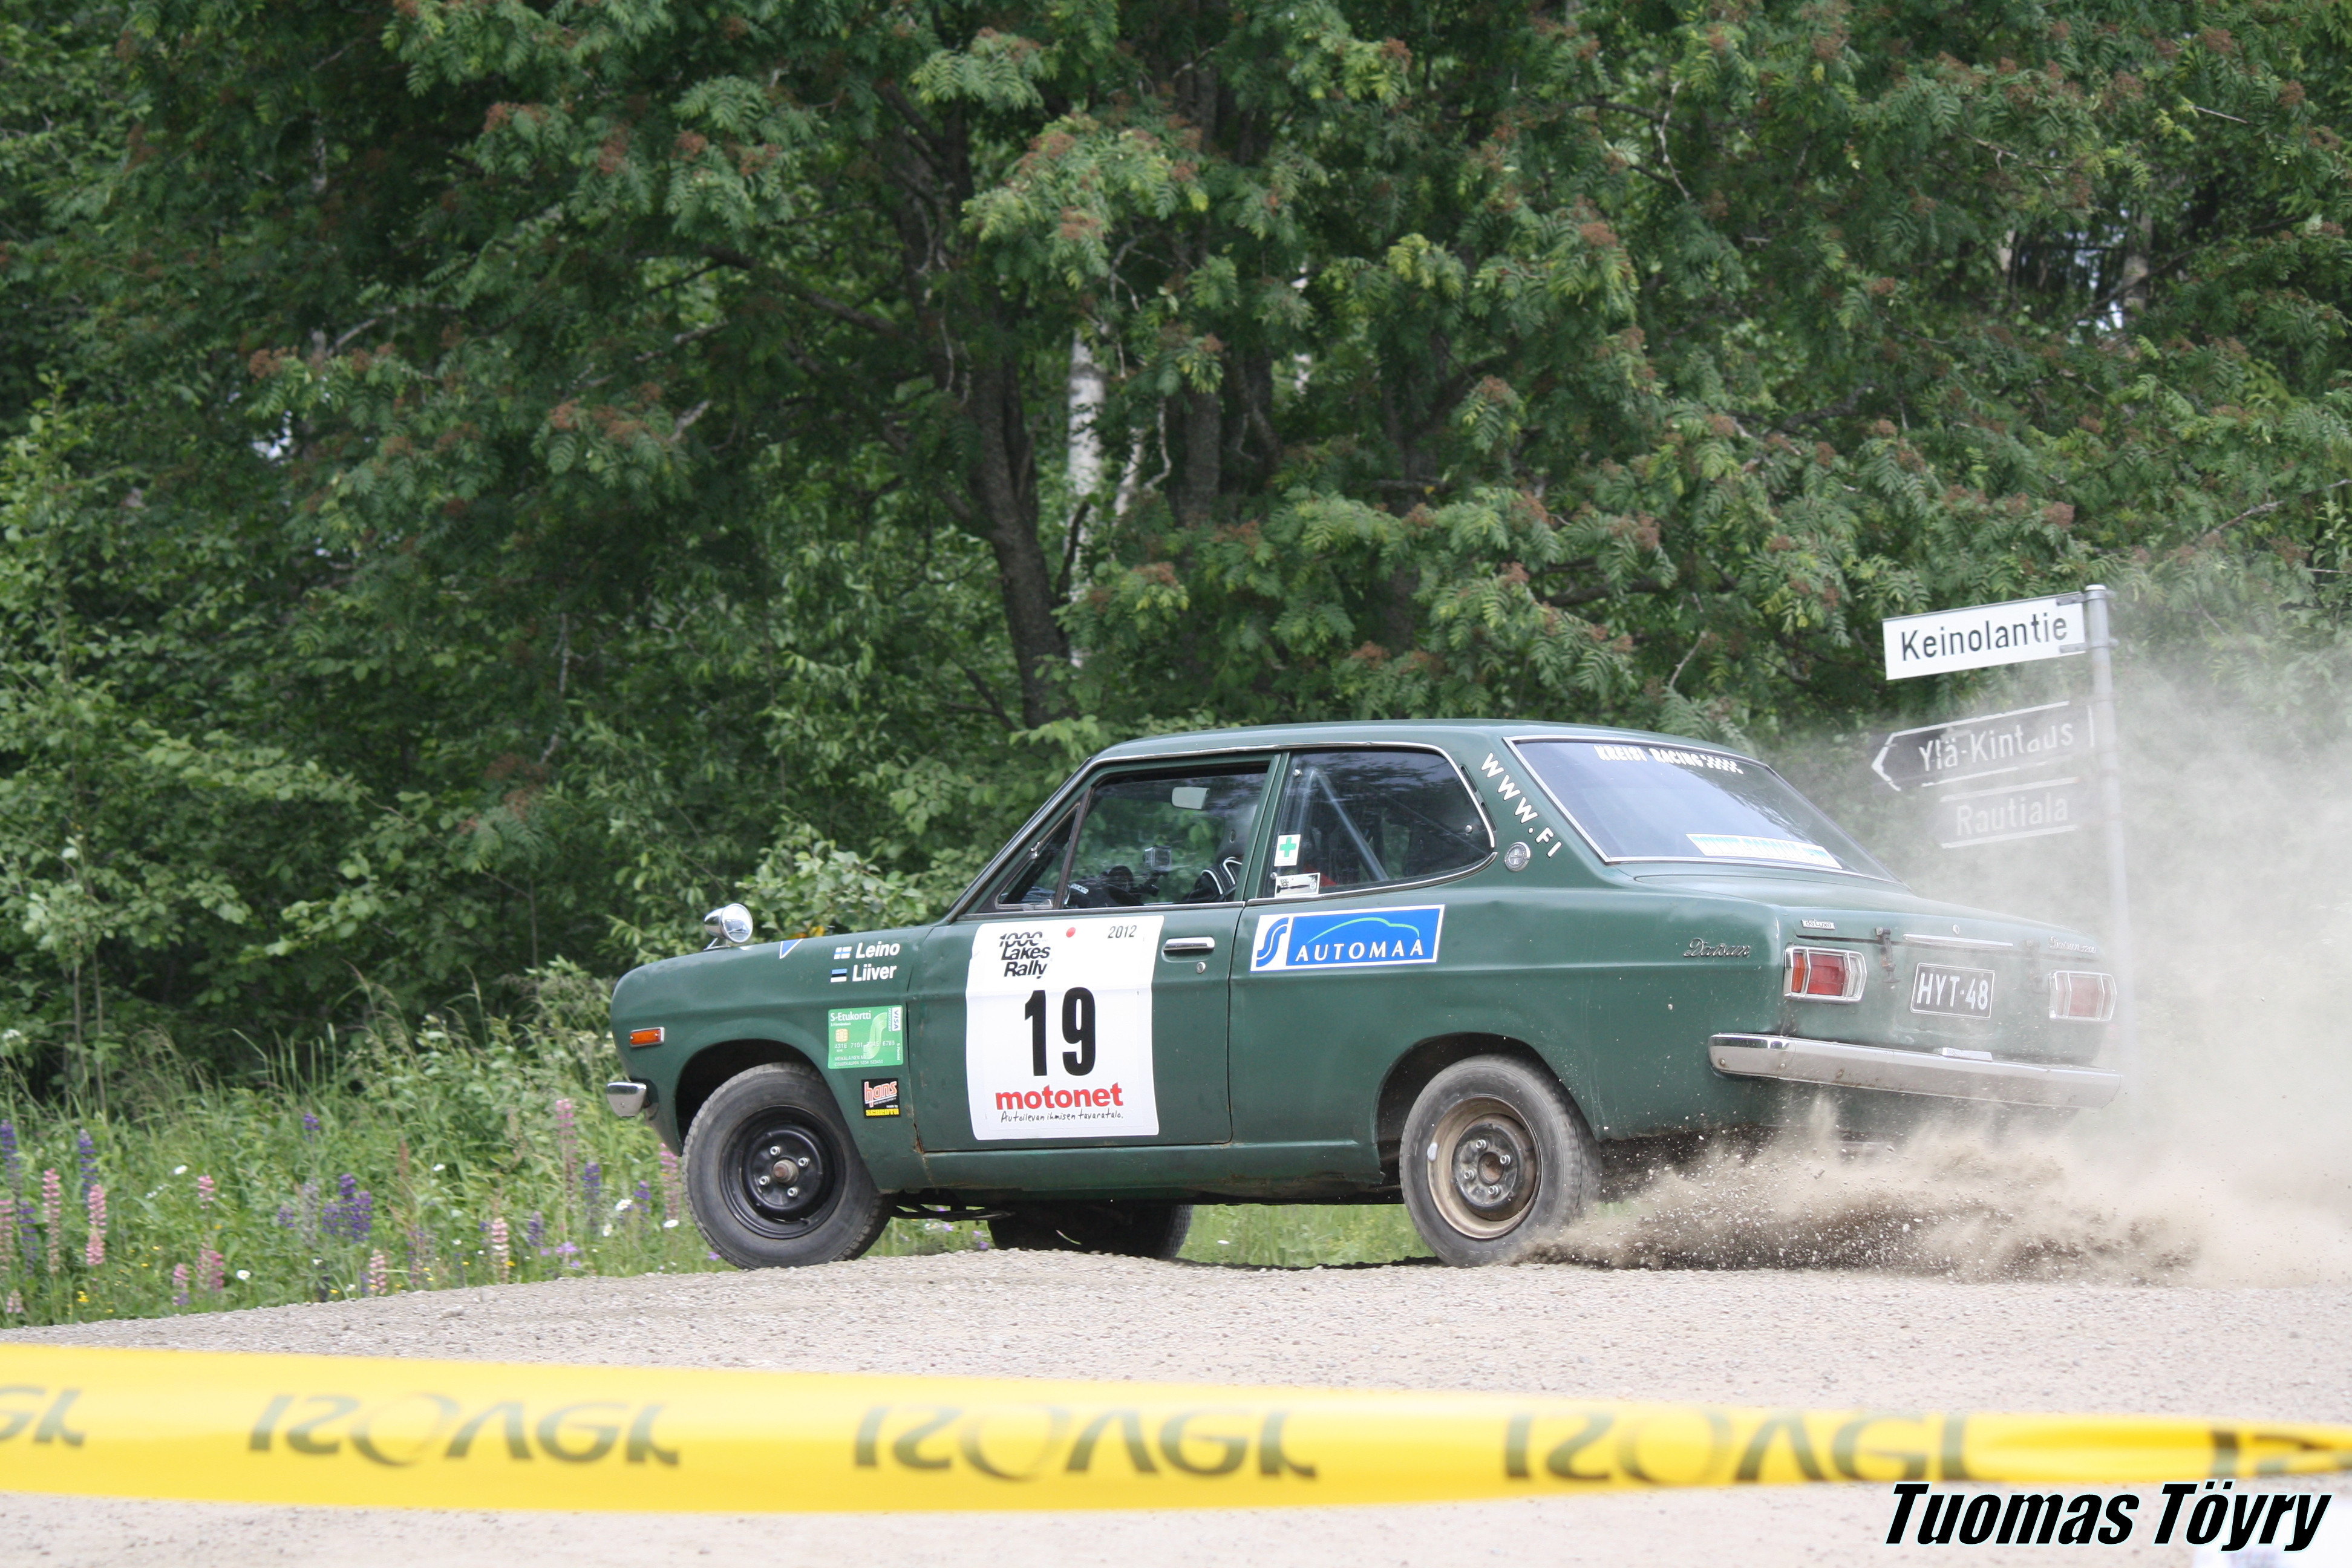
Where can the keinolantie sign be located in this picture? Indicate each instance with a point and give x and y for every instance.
(1983, 634)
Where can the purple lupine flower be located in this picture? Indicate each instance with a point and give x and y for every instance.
(53, 1215)
(645, 1196)
(309, 1126)
(86, 1147)
(591, 1193)
(359, 1217)
(9, 1163)
(285, 1215)
(570, 1252)
(534, 1229)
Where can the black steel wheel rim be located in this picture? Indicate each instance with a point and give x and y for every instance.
(782, 1173)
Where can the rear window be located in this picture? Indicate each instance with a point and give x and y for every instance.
(1650, 802)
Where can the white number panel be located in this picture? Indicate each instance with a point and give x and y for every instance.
(1057, 1027)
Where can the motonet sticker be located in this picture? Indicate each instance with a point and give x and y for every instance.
(1057, 1028)
(1348, 939)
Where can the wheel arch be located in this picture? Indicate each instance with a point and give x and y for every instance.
(1411, 1073)
(715, 1063)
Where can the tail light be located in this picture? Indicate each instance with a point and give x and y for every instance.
(1826, 973)
(2081, 995)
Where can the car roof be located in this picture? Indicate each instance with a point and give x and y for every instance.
(1357, 732)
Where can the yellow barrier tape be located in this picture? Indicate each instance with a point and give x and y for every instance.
(445, 1434)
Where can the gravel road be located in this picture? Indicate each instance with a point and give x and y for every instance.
(1750, 1337)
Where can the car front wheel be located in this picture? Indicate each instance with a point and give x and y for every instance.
(1495, 1162)
(771, 1176)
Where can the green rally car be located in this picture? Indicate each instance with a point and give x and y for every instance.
(1478, 967)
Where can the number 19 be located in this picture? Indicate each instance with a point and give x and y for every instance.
(1077, 1030)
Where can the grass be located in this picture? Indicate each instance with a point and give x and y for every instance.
(431, 1155)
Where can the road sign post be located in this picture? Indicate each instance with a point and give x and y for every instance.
(1995, 744)
(2111, 803)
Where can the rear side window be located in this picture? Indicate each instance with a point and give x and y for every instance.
(1355, 819)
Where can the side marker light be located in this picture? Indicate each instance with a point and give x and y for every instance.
(652, 1036)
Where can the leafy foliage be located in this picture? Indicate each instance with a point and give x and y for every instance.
(490, 481)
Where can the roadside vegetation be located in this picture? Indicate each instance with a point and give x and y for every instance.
(464, 1148)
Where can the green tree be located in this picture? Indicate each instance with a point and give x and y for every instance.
(513, 473)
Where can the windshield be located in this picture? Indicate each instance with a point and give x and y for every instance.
(1680, 803)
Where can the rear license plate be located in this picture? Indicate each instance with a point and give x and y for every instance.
(1957, 993)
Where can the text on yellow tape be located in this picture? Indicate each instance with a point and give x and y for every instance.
(439, 1434)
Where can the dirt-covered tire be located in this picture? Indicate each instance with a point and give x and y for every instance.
(1120, 1227)
(825, 1210)
(1495, 1163)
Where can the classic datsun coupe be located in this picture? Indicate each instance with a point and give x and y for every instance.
(1477, 967)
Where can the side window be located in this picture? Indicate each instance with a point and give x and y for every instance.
(1035, 874)
(1173, 837)
(1360, 818)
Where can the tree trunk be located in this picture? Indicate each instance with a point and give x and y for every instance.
(1196, 485)
(1004, 485)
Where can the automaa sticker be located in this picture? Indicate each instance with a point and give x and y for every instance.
(1348, 939)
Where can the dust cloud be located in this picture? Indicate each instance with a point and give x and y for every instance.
(2230, 1164)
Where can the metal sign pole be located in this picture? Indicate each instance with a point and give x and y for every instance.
(2111, 803)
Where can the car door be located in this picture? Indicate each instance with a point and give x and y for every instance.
(1083, 1000)
(1346, 936)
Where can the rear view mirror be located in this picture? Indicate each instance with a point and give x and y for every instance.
(1188, 797)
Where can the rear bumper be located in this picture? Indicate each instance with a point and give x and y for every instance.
(1843, 1066)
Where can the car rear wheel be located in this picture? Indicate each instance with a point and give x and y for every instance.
(1495, 1162)
(1120, 1227)
(771, 1176)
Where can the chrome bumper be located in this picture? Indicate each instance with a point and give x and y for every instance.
(628, 1098)
(1910, 1072)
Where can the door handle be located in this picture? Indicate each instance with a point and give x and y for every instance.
(1177, 946)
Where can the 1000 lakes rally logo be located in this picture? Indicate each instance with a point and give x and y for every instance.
(1349, 939)
(1024, 954)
